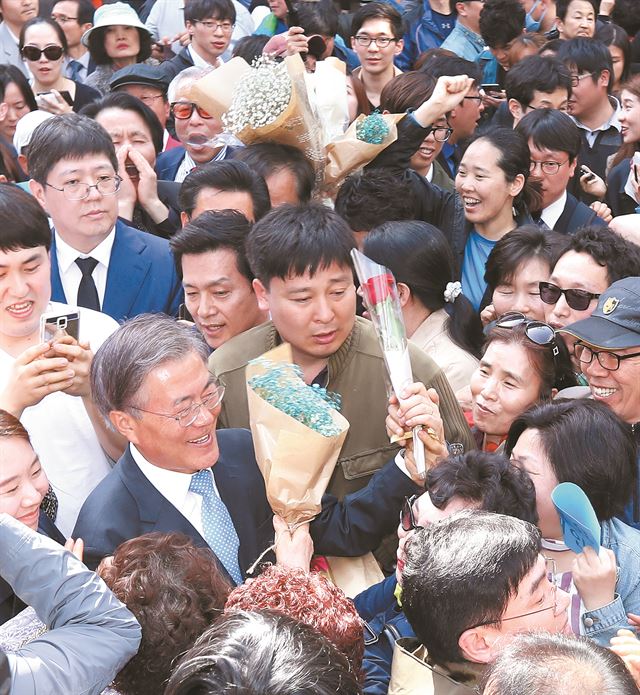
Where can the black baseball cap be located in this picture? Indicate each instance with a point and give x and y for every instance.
(615, 323)
(139, 73)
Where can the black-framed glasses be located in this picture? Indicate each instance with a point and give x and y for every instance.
(380, 41)
(578, 300)
(441, 133)
(576, 79)
(33, 53)
(186, 418)
(106, 185)
(551, 572)
(550, 168)
(63, 19)
(183, 110)
(227, 27)
(407, 515)
(607, 360)
(477, 98)
(538, 332)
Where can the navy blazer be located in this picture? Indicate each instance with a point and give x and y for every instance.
(576, 214)
(125, 505)
(141, 277)
(617, 199)
(168, 162)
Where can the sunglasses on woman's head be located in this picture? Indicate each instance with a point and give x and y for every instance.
(538, 332)
(578, 300)
(33, 53)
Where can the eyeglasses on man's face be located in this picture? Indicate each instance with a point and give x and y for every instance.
(549, 168)
(576, 79)
(380, 41)
(77, 190)
(226, 27)
(607, 360)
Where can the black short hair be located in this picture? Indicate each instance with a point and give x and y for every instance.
(213, 230)
(50, 23)
(10, 74)
(461, 572)
(562, 7)
(378, 10)
(587, 55)
(547, 664)
(262, 652)
(70, 136)
(620, 257)
(99, 54)
(23, 222)
(127, 102)
(317, 17)
(438, 65)
(536, 74)
(250, 47)
(613, 35)
(373, 196)
(266, 158)
(296, 239)
(228, 175)
(586, 443)
(197, 10)
(501, 21)
(519, 245)
(488, 480)
(550, 129)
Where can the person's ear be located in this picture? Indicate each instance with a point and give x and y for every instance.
(404, 293)
(572, 167)
(517, 185)
(604, 78)
(124, 424)
(352, 43)
(85, 27)
(22, 161)
(461, 9)
(560, 26)
(262, 295)
(188, 25)
(515, 109)
(37, 189)
(399, 47)
(184, 218)
(554, 393)
(476, 646)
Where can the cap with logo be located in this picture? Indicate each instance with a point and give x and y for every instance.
(615, 323)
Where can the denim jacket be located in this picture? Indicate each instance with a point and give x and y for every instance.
(464, 43)
(602, 624)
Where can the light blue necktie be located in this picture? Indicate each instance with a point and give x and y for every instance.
(75, 66)
(218, 528)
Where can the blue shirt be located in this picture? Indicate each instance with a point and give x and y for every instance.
(464, 43)
(476, 252)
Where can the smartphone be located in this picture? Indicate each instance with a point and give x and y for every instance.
(54, 326)
(64, 94)
(491, 87)
(584, 171)
(635, 173)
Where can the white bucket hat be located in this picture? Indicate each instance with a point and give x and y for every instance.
(117, 14)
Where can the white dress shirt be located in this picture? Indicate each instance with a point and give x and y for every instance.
(187, 164)
(199, 61)
(174, 487)
(70, 273)
(551, 214)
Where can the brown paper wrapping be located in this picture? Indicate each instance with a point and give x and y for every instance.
(348, 154)
(354, 574)
(214, 91)
(295, 461)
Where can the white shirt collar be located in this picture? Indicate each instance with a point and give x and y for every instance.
(199, 61)
(67, 254)
(551, 214)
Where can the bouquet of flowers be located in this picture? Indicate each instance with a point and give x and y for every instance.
(381, 298)
(297, 434)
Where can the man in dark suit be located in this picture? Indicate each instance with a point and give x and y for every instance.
(195, 128)
(554, 143)
(150, 380)
(97, 261)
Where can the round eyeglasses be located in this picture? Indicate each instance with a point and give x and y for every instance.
(549, 168)
(77, 190)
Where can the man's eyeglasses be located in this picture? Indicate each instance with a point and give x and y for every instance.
(186, 417)
(441, 133)
(476, 98)
(538, 332)
(576, 79)
(550, 567)
(607, 360)
(33, 53)
(578, 300)
(227, 27)
(407, 516)
(183, 110)
(550, 168)
(380, 41)
(77, 190)
(63, 19)
(150, 98)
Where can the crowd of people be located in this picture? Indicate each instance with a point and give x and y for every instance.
(146, 258)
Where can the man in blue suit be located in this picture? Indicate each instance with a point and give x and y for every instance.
(150, 380)
(97, 261)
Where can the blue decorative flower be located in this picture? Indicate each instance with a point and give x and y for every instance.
(372, 129)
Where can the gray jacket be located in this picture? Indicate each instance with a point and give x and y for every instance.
(91, 634)
(9, 52)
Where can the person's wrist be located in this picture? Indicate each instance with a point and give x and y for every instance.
(157, 210)
(599, 600)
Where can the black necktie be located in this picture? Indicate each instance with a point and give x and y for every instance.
(87, 292)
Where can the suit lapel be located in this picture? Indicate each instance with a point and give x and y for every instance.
(57, 291)
(128, 269)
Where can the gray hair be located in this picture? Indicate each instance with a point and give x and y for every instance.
(129, 355)
(186, 78)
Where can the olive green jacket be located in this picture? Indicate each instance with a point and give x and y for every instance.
(357, 372)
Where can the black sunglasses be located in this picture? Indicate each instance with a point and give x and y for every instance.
(538, 332)
(578, 300)
(33, 53)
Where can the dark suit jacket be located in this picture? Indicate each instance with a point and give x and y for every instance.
(575, 215)
(125, 505)
(141, 278)
(619, 202)
(169, 161)
(168, 195)
(177, 64)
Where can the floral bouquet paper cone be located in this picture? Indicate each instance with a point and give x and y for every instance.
(381, 298)
(297, 435)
